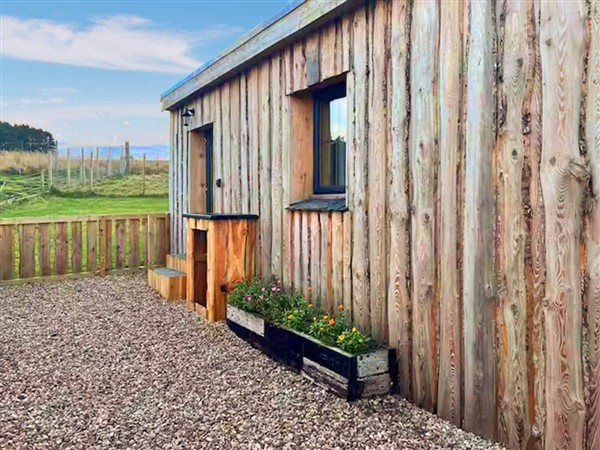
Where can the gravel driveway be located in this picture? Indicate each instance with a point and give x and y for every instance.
(105, 363)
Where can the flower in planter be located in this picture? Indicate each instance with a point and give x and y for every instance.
(354, 330)
(341, 307)
(310, 305)
(290, 317)
(331, 322)
(341, 337)
(325, 317)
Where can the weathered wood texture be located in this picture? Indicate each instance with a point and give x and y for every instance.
(60, 246)
(472, 238)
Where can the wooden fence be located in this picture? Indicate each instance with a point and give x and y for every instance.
(64, 246)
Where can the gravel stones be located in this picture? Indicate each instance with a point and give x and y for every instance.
(103, 363)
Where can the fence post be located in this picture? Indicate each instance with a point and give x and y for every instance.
(127, 158)
(50, 180)
(121, 162)
(97, 163)
(109, 162)
(144, 175)
(91, 169)
(43, 180)
(68, 166)
(151, 241)
(82, 167)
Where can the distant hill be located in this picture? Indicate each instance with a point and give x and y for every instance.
(24, 137)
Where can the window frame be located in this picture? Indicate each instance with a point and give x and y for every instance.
(324, 95)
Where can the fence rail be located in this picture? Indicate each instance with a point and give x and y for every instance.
(41, 247)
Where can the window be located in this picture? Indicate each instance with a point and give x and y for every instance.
(330, 121)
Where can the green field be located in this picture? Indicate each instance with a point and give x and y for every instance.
(54, 206)
(113, 195)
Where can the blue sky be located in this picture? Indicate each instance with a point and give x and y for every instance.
(91, 72)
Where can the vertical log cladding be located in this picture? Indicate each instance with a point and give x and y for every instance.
(512, 378)
(264, 150)
(276, 173)
(592, 129)
(377, 152)
(450, 65)
(478, 255)
(399, 303)
(423, 152)
(358, 168)
(535, 247)
(563, 173)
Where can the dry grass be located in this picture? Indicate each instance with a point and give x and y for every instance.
(29, 163)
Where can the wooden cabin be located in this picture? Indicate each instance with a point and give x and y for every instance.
(435, 168)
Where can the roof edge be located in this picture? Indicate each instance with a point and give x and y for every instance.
(294, 19)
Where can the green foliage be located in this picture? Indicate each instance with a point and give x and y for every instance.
(297, 312)
(23, 137)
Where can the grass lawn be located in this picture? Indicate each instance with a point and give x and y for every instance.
(53, 206)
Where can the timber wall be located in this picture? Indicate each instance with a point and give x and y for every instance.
(472, 239)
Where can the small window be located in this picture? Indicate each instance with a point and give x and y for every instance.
(330, 123)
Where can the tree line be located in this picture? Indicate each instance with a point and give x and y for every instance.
(26, 138)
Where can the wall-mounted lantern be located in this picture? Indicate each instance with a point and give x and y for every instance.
(187, 116)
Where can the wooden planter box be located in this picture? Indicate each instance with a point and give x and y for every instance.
(350, 376)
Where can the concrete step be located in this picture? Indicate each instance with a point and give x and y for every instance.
(169, 283)
(177, 262)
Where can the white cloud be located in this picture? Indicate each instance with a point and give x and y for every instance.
(42, 101)
(116, 42)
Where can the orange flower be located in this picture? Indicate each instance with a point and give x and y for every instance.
(331, 322)
(310, 305)
(341, 307)
(309, 289)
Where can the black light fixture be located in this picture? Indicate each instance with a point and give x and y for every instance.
(187, 116)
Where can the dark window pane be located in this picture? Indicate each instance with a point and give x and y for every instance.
(333, 117)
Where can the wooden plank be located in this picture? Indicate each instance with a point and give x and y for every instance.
(6, 251)
(358, 149)
(161, 242)
(535, 269)
(244, 144)
(301, 151)
(218, 152)
(306, 237)
(134, 243)
(44, 249)
(286, 173)
(76, 247)
(423, 151)
(479, 294)
(105, 245)
(325, 263)
(61, 248)
(92, 245)
(593, 231)
(276, 167)
(347, 264)
(563, 174)
(311, 51)
(77, 218)
(449, 400)
(26, 251)
(255, 45)
(233, 155)
(336, 273)
(512, 377)
(399, 300)
(121, 237)
(315, 257)
(299, 66)
(346, 41)
(377, 162)
(226, 148)
(265, 169)
(328, 52)
(253, 139)
(297, 249)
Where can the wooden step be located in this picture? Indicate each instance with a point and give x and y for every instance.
(169, 283)
(177, 262)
